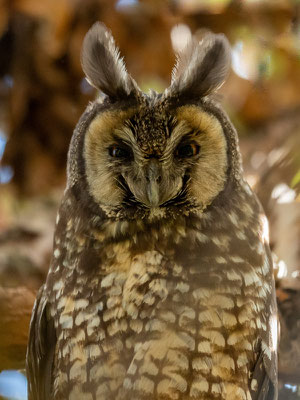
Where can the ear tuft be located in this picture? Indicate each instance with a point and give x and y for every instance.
(201, 67)
(102, 64)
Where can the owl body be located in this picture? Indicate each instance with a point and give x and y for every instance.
(160, 285)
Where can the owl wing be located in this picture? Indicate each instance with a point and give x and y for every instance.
(264, 382)
(262, 386)
(40, 350)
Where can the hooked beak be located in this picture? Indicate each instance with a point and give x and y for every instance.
(154, 186)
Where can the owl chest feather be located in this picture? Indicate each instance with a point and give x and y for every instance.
(171, 317)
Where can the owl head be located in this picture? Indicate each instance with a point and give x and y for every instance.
(136, 154)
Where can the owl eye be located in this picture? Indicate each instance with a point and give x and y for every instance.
(187, 150)
(119, 152)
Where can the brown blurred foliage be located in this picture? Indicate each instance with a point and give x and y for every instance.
(43, 93)
(15, 308)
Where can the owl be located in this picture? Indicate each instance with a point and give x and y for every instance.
(160, 285)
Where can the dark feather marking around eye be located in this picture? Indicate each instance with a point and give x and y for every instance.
(129, 199)
(121, 141)
(180, 198)
(187, 149)
(170, 124)
(120, 150)
(130, 123)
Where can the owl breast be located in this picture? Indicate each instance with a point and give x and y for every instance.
(171, 312)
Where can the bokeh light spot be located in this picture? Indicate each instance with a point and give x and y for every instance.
(13, 385)
(180, 35)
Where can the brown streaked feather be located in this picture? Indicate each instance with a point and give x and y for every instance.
(40, 350)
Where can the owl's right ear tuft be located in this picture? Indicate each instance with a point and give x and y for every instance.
(103, 66)
(201, 67)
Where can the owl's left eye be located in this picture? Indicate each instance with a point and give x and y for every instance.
(187, 150)
(119, 152)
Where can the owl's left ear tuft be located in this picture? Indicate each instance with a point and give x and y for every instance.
(201, 67)
(103, 66)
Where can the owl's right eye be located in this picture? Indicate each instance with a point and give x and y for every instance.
(116, 151)
(187, 150)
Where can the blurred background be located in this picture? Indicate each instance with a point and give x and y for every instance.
(43, 93)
